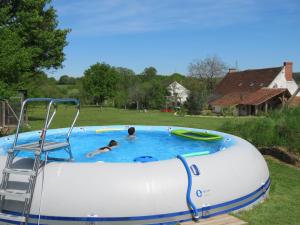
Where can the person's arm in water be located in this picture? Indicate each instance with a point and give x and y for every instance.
(98, 151)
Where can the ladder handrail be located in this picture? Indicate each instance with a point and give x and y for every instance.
(22, 114)
(77, 105)
(49, 120)
(62, 100)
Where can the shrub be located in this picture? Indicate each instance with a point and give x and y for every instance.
(279, 128)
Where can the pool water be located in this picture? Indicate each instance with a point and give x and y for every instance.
(158, 144)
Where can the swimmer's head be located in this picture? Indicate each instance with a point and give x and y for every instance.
(112, 143)
(131, 131)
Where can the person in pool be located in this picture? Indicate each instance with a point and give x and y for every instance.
(131, 132)
(112, 144)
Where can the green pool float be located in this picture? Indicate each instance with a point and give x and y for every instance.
(197, 135)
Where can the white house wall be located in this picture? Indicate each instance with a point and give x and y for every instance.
(281, 82)
(182, 92)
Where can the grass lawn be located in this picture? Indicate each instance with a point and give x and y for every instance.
(111, 116)
(283, 205)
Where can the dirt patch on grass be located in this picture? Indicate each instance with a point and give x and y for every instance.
(282, 154)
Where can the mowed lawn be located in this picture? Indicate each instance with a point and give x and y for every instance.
(283, 205)
(94, 116)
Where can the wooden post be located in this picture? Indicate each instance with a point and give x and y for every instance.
(3, 113)
(266, 107)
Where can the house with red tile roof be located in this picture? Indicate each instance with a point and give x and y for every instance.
(251, 91)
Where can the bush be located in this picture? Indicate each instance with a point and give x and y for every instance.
(276, 129)
(207, 112)
(196, 102)
(229, 111)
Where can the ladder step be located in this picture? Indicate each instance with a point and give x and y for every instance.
(19, 171)
(48, 146)
(15, 194)
(5, 216)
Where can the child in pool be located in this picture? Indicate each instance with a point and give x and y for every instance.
(131, 132)
(111, 144)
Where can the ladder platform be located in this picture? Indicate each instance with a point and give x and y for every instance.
(6, 216)
(19, 171)
(48, 146)
(15, 194)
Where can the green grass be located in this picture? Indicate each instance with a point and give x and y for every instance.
(283, 205)
(111, 116)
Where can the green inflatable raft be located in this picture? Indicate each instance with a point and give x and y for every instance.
(197, 135)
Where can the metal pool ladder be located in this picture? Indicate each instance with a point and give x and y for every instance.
(38, 149)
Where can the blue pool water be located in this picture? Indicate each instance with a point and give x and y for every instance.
(159, 144)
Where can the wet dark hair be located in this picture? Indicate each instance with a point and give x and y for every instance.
(112, 143)
(131, 130)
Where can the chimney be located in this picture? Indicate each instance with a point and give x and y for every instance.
(288, 69)
(231, 70)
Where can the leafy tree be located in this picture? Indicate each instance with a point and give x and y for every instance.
(197, 99)
(208, 70)
(126, 81)
(30, 39)
(196, 102)
(122, 71)
(39, 85)
(14, 58)
(149, 72)
(176, 77)
(156, 94)
(100, 82)
(5, 90)
(65, 79)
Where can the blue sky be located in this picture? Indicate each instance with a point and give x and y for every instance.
(170, 34)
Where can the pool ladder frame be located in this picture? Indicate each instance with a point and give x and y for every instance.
(38, 148)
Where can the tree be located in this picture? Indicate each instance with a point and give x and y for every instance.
(100, 82)
(32, 42)
(208, 70)
(5, 90)
(149, 72)
(126, 81)
(40, 85)
(156, 94)
(198, 95)
(196, 101)
(14, 58)
(65, 79)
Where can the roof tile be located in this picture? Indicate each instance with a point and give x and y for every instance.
(247, 81)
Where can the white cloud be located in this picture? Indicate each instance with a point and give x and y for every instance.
(108, 17)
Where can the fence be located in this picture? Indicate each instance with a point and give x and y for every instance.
(9, 112)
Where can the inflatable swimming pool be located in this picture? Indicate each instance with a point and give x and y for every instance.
(187, 180)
